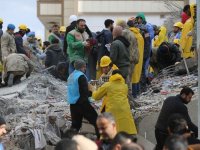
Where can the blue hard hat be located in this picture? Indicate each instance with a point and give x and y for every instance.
(11, 27)
(31, 34)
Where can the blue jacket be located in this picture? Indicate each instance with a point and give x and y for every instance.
(73, 93)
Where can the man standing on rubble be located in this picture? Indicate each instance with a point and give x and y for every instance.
(78, 44)
(77, 96)
(173, 105)
(19, 39)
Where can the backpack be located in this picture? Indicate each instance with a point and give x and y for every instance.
(100, 46)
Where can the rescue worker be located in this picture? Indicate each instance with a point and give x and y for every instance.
(186, 39)
(138, 67)
(77, 96)
(168, 54)
(32, 49)
(107, 67)
(176, 34)
(55, 34)
(77, 45)
(119, 51)
(185, 15)
(19, 39)
(62, 34)
(116, 91)
(8, 45)
(146, 29)
(160, 36)
(134, 54)
(17, 65)
(72, 26)
(54, 55)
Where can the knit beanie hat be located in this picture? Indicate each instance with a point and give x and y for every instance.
(78, 64)
(72, 18)
(2, 121)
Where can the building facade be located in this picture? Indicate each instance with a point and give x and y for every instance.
(96, 11)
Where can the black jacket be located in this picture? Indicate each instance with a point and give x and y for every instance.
(173, 56)
(104, 37)
(83, 90)
(19, 43)
(172, 105)
(54, 55)
(71, 27)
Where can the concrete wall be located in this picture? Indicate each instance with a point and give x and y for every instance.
(96, 23)
(123, 6)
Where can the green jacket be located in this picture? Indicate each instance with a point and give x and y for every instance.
(76, 49)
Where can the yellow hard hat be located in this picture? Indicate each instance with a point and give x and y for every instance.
(22, 27)
(105, 61)
(62, 29)
(1, 20)
(178, 24)
(176, 41)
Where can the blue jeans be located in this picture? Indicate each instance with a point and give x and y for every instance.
(71, 69)
(135, 89)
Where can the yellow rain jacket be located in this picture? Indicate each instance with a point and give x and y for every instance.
(186, 41)
(138, 67)
(114, 67)
(162, 37)
(116, 92)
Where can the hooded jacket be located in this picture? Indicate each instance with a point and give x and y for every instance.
(133, 48)
(120, 55)
(162, 37)
(169, 58)
(138, 67)
(186, 40)
(54, 55)
(116, 92)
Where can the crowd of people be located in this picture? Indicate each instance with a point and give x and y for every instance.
(113, 66)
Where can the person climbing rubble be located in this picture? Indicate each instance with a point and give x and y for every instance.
(77, 96)
(167, 54)
(16, 66)
(54, 56)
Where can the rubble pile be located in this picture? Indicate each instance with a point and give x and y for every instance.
(160, 89)
(26, 109)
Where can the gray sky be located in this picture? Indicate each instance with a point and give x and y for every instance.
(21, 12)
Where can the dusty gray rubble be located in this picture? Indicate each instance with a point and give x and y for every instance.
(27, 105)
(162, 87)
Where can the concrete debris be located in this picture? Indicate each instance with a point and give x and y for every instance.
(40, 95)
(161, 88)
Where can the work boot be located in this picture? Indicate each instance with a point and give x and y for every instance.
(10, 79)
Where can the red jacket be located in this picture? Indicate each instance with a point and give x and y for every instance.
(184, 17)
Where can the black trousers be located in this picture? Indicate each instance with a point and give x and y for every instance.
(80, 111)
(161, 136)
